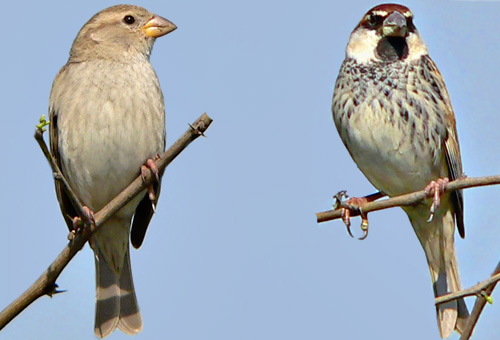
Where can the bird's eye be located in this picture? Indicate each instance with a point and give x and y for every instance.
(375, 20)
(128, 19)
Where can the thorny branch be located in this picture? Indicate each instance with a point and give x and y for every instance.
(45, 284)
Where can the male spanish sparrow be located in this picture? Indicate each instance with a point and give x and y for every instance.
(393, 113)
(107, 119)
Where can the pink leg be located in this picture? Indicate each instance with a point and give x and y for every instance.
(436, 188)
(150, 164)
(355, 204)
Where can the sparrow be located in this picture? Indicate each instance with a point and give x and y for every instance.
(393, 113)
(108, 119)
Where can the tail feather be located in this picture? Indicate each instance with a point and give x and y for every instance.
(463, 316)
(107, 308)
(130, 318)
(116, 304)
(447, 313)
(437, 239)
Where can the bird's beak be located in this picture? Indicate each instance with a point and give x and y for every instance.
(158, 26)
(395, 26)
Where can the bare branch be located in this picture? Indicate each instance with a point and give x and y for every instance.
(58, 176)
(485, 287)
(409, 199)
(475, 290)
(45, 284)
(478, 307)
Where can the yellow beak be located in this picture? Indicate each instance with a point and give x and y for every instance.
(158, 26)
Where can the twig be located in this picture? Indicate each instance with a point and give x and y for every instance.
(472, 291)
(58, 176)
(45, 284)
(478, 308)
(481, 289)
(409, 199)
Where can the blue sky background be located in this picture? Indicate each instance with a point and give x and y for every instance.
(234, 251)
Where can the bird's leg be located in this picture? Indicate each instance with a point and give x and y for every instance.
(355, 204)
(150, 164)
(78, 223)
(436, 188)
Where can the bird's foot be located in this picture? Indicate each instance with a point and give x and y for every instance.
(150, 164)
(79, 224)
(351, 205)
(436, 189)
(355, 204)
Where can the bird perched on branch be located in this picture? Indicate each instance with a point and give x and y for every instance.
(107, 120)
(393, 113)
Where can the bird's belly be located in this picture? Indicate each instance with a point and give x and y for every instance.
(390, 159)
(104, 154)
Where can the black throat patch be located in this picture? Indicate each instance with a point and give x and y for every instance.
(392, 48)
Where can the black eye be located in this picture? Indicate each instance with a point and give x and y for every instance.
(128, 19)
(375, 20)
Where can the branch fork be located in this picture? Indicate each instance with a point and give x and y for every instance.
(482, 290)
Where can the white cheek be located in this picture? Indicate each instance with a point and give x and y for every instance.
(362, 45)
(416, 45)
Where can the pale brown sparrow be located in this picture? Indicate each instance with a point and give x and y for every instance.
(107, 119)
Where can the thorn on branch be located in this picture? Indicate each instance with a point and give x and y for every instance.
(198, 129)
(52, 290)
(201, 124)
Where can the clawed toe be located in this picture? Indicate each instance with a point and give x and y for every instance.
(78, 223)
(150, 165)
(346, 218)
(436, 188)
(355, 204)
(347, 207)
(364, 225)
